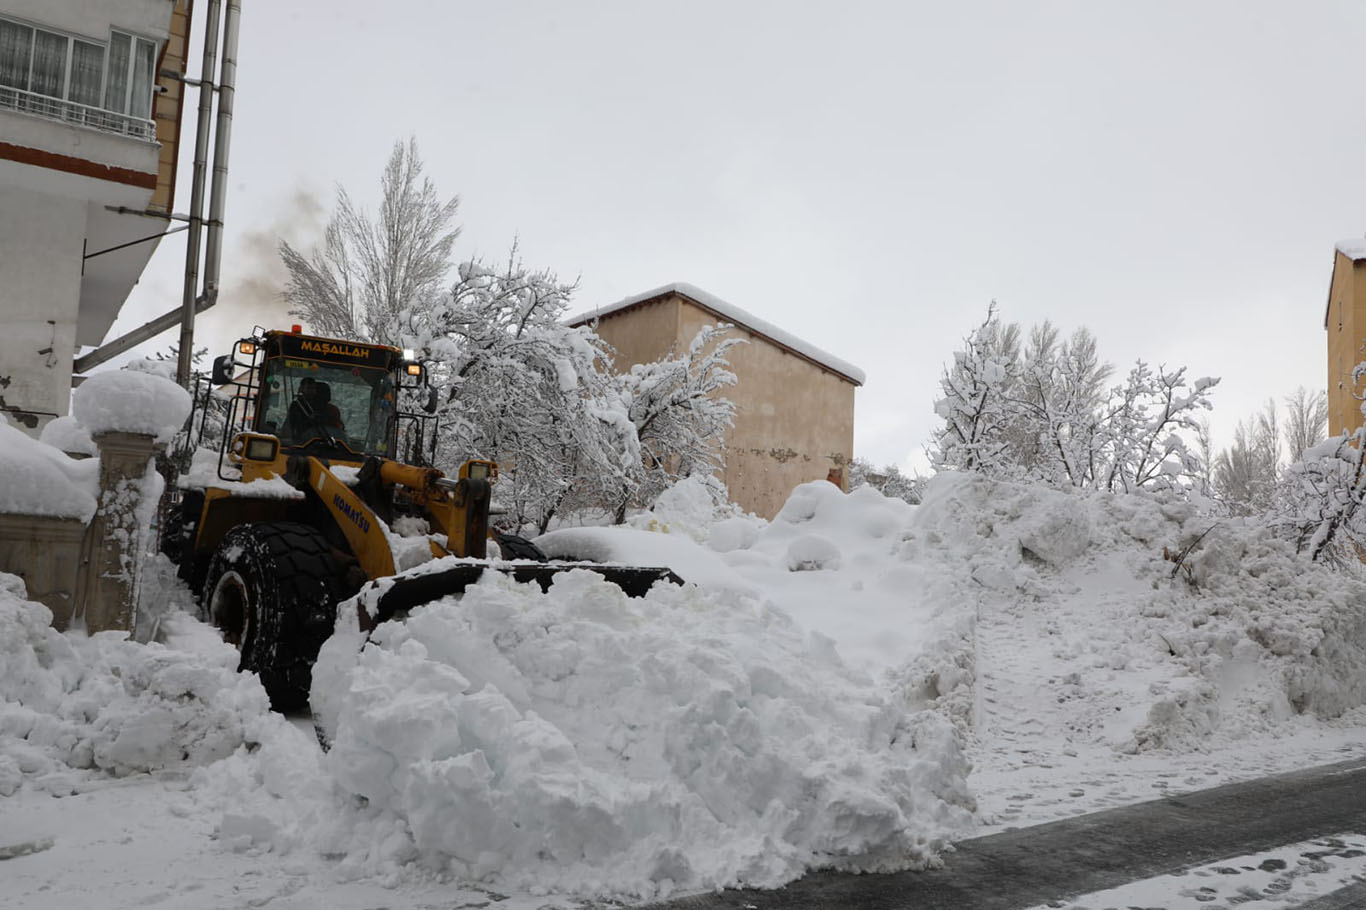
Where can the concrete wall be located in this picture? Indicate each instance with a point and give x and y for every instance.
(168, 106)
(48, 554)
(40, 289)
(794, 421)
(644, 334)
(1346, 326)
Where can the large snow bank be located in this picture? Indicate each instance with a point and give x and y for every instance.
(37, 479)
(131, 401)
(71, 705)
(585, 741)
(1149, 653)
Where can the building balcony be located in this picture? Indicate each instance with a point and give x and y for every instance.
(13, 99)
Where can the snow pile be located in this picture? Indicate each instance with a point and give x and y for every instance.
(67, 435)
(583, 741)
(37, 479)
(71, 704)
(1155, 626)
(834, 562)
(635, 547)
(130, 401)
(691, 506)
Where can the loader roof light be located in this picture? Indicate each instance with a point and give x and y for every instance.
(296, 329)
(247, 348)
(408, 354)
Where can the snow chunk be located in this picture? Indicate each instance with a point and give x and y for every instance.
(67, 435)
(70, 703)
(811, 552)
(635, 547)
(131, 401)
(734, 534)
(37, 479)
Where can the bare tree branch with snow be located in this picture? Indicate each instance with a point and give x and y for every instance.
(369, 270)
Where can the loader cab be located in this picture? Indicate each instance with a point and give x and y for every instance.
(334, 399)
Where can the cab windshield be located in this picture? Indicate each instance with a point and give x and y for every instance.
(337, 409)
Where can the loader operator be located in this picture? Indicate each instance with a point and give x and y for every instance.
(312, 410)
(328, 412)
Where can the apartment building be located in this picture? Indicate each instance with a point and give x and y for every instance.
(90, 110)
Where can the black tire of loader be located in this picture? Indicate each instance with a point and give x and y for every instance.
(292, 584)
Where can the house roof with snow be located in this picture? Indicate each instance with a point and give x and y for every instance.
(1354, 248)
(729, 312)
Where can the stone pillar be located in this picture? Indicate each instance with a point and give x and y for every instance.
(47, 554)
(116, 532)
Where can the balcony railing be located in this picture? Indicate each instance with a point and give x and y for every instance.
(13, 99)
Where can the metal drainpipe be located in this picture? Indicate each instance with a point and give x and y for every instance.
(201, 155)
(227, 90)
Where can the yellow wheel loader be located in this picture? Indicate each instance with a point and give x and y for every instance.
(308, 491)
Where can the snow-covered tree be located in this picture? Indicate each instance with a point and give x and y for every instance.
(518, 387)
(1246, 473)
(370, 269)
(678, 414)
(1306, 420)
(974, 408)
(1141, 441)
(1319, 498)
(1061, 387)
(1044, 413)
(1248, 476)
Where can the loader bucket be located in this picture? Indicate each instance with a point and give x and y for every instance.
(387, 598)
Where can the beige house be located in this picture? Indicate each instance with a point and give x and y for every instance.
(794, 414)
(1345, 321)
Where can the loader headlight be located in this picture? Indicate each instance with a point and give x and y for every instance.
(257, 448)
(262, 449)
(413, 369)
(246, 347)
(477, 470)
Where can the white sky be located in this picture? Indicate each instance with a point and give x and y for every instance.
(867, 176)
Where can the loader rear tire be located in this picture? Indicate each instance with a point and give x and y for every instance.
(273, 588)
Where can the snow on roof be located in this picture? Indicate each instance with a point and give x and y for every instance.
(731, 313)
(1354, 248)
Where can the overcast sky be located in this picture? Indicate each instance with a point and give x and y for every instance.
(867, 176)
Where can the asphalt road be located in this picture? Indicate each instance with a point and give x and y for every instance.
(1075, 856)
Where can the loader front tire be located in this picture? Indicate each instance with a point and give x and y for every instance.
(272, 589)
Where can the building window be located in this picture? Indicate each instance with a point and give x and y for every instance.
(130, 75)
(41, 62)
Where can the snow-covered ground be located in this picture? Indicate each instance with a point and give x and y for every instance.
(853, 685)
